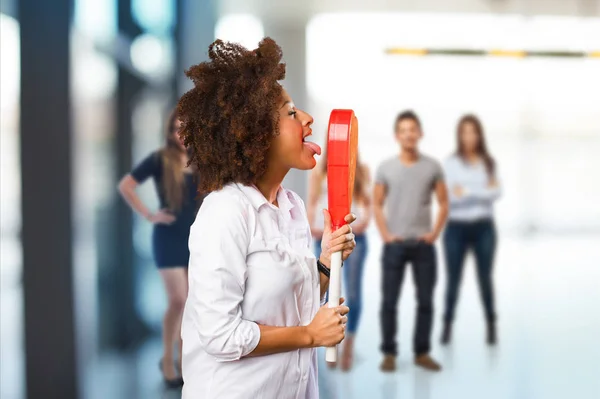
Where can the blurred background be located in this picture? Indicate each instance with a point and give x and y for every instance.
(86, 86)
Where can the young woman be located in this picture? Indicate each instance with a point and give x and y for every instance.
(176, 189)
(473, 184)
(353, 268)
(253, 319)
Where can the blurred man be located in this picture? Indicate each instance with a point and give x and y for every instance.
(404, 186)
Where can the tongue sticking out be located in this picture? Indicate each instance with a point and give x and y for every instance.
(313, 146)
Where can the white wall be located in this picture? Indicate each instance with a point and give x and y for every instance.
(542, 116)
(299, 10)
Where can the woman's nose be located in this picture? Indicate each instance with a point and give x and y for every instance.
(307, 119)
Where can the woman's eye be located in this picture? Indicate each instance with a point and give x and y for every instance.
(292, 113)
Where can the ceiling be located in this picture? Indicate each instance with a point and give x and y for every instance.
(299, 11)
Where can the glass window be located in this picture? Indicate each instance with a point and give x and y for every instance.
(11, 290)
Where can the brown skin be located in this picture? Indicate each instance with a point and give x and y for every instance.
(408, 135)
(248, 131)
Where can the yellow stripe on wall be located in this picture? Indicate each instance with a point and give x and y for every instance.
(508, 53)
(406, 51)
(490, 53)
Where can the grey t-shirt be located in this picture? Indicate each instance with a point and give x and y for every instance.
(408, 194)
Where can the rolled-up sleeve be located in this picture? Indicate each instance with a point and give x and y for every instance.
(485, 193)
(217, 273)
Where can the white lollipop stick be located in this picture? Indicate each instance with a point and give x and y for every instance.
(335, 290)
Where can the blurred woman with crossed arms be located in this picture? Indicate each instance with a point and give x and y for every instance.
(472, 179)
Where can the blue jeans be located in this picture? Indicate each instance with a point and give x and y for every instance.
(353, 272)
(460, 237)
(422, 258)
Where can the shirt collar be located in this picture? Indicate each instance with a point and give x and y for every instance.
(284, 201)
(258, 200)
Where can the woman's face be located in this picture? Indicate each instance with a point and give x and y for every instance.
(291, 148)
(176, 129)
(469, 137)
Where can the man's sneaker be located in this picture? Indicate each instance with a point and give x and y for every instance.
(427, 363)
(388, 364)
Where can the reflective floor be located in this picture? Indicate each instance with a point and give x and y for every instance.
(548, 299)
(12, 366)
(549, 325)
(132, 376)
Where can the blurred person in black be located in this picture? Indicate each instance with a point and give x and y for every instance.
(472, 180)
(404, 186)
(177, 193)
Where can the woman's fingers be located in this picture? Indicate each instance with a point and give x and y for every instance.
(339, 237)
(345, 229)
(345, 251)
(350, 218)
(342, 245)
(342, 310)
(342, 231)
(335, 237)
(341, 240)
(326, 220)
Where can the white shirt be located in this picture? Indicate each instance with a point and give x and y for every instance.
(250, 262)
(477, 201)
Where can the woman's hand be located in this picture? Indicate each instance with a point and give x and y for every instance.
(429, 238)
(390, 239)
(328, 327)
(458, 191)
(340, 240)
(161, 217)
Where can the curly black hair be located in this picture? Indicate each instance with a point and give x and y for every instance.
(230, 117)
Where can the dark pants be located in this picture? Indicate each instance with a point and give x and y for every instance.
(353, 272)
(422, 257)
(460, 237)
